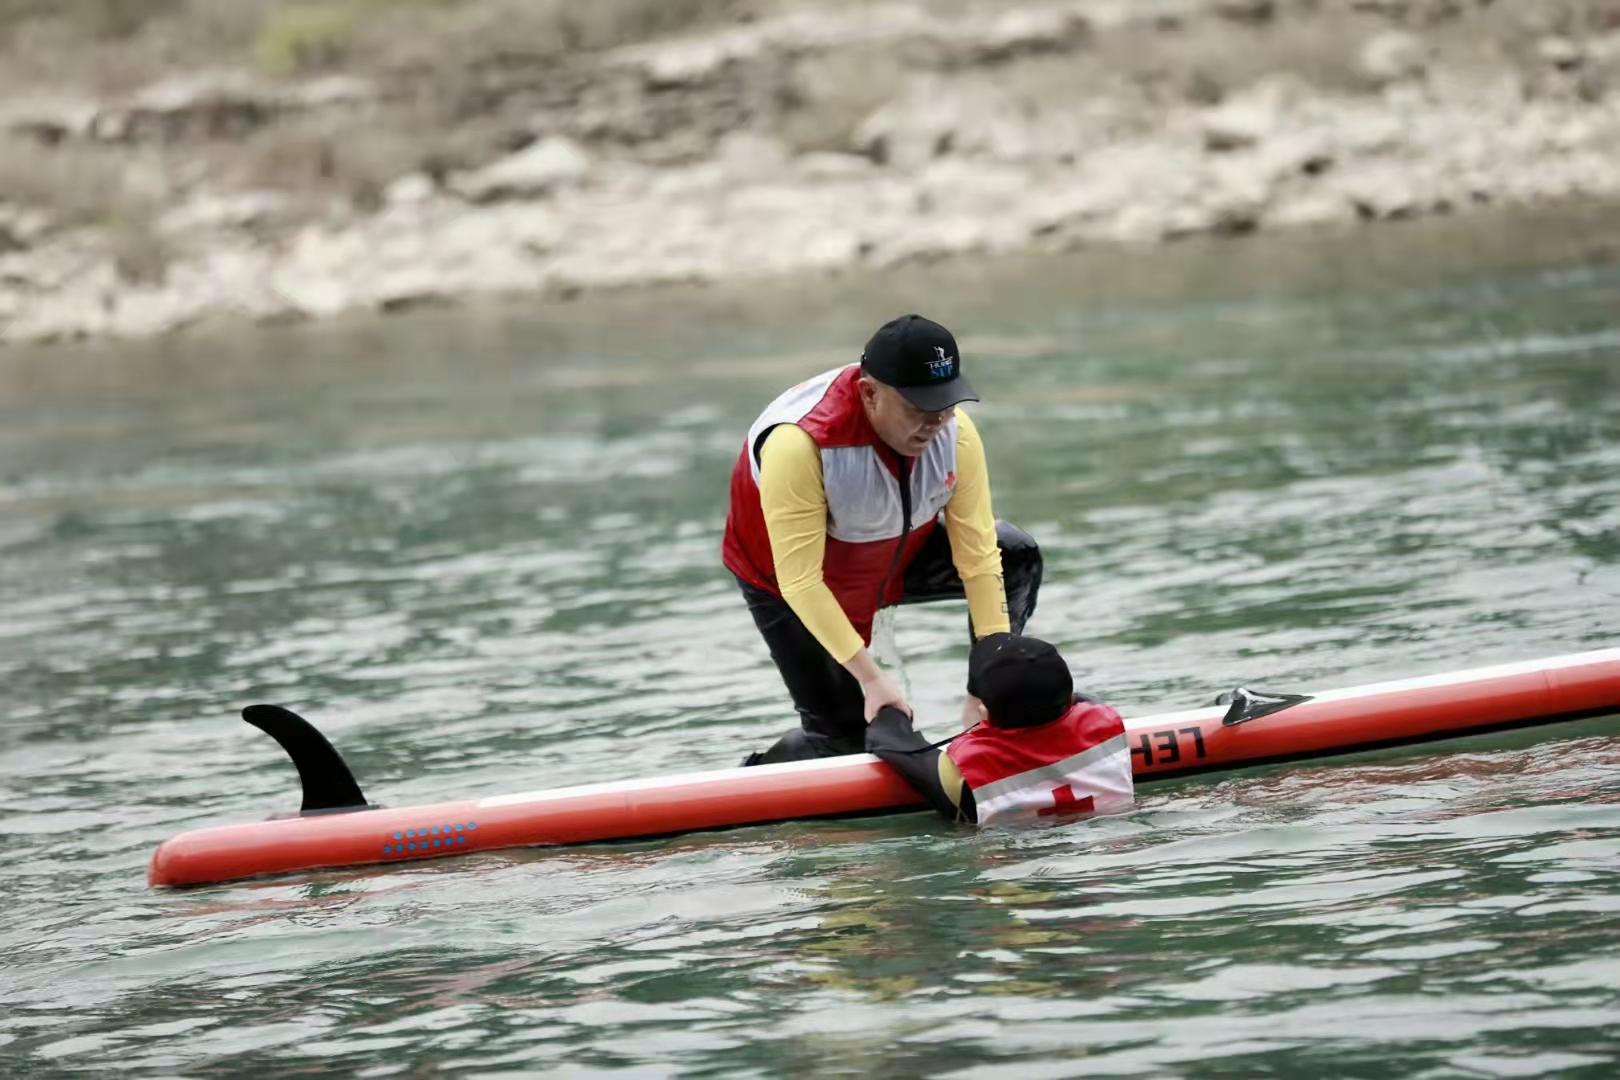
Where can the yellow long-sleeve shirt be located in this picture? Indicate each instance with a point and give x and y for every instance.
(795, 504)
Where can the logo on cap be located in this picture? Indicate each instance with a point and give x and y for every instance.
(944, 367)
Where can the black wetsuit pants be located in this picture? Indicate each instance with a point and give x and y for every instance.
(829, 701)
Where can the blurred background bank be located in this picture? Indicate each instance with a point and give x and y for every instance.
(169, 161)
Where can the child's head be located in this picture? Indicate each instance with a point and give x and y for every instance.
(1018, 681)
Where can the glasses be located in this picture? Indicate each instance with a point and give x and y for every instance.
(926, 416)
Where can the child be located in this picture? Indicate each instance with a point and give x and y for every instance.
(1038, 750)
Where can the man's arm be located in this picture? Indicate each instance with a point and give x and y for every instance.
(970, 523)
(794, 501)
(925, 768)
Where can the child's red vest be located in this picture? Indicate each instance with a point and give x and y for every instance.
(1075, 765)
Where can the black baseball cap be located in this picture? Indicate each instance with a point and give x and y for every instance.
(919, 358)
(1022, 681)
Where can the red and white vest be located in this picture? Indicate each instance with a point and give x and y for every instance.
(1070, 767)
(861, 477)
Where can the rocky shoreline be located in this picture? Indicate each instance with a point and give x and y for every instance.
(1008, 128)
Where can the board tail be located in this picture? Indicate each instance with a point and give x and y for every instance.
(328, 783)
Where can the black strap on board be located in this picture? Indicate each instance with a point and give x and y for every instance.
(1245, 704)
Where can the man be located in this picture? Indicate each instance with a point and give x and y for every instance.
(1039, 752)
(857, 489)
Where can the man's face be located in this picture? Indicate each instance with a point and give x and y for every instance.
(905, 428)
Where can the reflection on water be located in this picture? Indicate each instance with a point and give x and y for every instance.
(480, 550)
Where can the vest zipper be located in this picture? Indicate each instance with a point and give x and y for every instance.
(905, 530)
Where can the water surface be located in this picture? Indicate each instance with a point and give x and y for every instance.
(480, 549)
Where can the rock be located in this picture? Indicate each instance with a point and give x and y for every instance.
(938, 118)
(1258, 115)
(1028, 32)
(1382, 190)
(1228, 198)
(747, 156)
(329, 91)
(1418, 12)
(21, 227)
(1247, 11)
(148, 312)
(206, 105)
(533, 172)
(1392, 56)
(1369, 132)
(1238, 125)
(409, 189)
(1560, 52)
(406, 300)
(825, 165)
(217, 105)
(695, 59)
(315, 276)
(49, 120)
(1135, 225)
(1297, 150)
(193, 90)
(973, 188)
(668, 65)
(237, 210)
(1309, 208)
(908, 132)
(1236, 197)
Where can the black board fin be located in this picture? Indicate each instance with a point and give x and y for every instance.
(328, 783)
(1249, 704)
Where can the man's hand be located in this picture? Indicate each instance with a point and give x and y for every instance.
(877, 686)
(880, 691)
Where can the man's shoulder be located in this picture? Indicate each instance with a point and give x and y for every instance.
(965, 427)
(788, 450)
(788, 438)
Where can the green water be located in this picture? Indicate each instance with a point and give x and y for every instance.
(480, 549)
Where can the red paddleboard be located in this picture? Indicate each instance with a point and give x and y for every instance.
(1256, 728)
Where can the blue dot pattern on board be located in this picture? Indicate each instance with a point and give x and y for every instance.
(418, 839)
